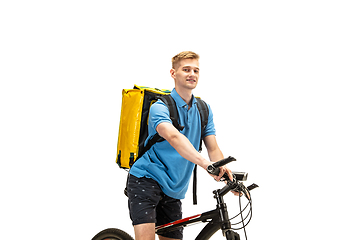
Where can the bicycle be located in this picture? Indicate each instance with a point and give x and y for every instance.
(216, 219)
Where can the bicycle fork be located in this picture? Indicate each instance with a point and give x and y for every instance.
(224, 217)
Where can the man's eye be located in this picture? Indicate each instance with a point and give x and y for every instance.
(186, 70)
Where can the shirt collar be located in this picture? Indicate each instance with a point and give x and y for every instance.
(179, 101)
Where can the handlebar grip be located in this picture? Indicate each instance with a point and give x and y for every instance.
(214, 168)
(215, 172)
(223, 162)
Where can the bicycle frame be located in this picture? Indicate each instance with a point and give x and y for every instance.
(219, 220)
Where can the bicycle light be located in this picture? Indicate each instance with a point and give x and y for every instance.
(240, 176)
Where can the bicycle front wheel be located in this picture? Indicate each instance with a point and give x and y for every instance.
(112, 234)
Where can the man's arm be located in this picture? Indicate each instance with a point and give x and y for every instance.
(215, 154)
(184, 147)
(213, 149)
(181, 144)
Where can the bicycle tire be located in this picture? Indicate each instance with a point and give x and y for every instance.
(112, 234)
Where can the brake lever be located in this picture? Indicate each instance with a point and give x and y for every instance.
(252, 186)
(241, 188)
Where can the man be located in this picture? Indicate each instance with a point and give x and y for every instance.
(160, 178)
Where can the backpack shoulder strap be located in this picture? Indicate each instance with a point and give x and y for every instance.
(204, 115)
(174, 115)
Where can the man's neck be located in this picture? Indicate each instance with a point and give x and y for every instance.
(185, 94)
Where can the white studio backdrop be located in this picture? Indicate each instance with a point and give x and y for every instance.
(282, 78)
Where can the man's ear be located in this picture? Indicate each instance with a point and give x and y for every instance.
(172, 73)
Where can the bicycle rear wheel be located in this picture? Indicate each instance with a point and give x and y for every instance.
(112, 234)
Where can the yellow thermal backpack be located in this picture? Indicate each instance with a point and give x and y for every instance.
(133, 129)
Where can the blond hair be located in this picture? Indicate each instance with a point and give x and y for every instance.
(183, 55)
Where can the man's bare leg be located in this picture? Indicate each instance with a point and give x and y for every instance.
(145, 231)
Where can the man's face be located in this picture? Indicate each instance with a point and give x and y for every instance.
(186, 75)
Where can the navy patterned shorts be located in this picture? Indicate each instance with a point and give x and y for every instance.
(148, 204)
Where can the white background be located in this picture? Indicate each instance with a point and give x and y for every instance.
(282, 78)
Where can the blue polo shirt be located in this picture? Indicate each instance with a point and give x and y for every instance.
(162, 162)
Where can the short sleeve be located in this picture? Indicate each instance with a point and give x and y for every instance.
(158, 113)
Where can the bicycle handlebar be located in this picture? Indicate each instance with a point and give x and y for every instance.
(223, 162)
(214, 169)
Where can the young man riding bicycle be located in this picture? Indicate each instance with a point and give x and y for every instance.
(160, 178)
